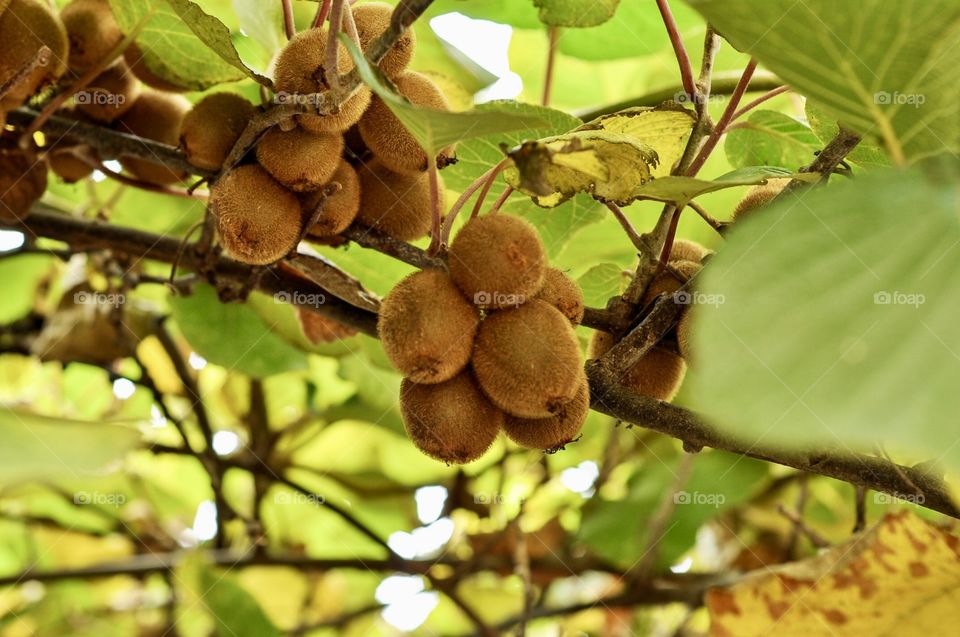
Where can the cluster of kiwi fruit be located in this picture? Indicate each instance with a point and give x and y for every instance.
(488, 344)
(262, 206)
(660, 372)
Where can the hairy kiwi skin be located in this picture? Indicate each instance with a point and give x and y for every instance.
(135, 60)
(563, 293)
(398, 205)
(759, 196)
(26, 26)
(68, 166)
(211, 128)
(92, 30)
(658, 374)
(686, 250)
(553, 432)
(110, 94)
(349, 114)
(340, 209)
(23, 179)
(683, 335)
(300, 160)
(527, 360)
(258, 220)
(498, 261)
(427, 328)
(372, 19)
(155, 115)
(385, 135)
(667, 283)
(451, 421)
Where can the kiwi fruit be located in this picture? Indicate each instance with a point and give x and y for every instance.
(340, 209)
(451, 421)
(683, 335)
(259, 221)
(23, 179)
(212, 127)
(498, 261)
(300, 160)
(110, 94)
(67, 166)
(553, 432)
(133, 56)
(155, 115)
(320, 329)
(527, 360)
(427, 328)
(760, 195)
(92, 30)
(386, 136)
(372, 19)
(398, 205)
(563, 293)
(300, 71)
(686, 250)
(28, 25)
(658, 374)
(667, 282)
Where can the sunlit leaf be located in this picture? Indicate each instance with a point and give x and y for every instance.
(576, 13)
(770, 138)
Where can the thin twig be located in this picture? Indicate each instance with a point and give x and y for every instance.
(323, 10)
(860, 508)
(757, 102)
(815, 538)
(289, 27)
(495, 208)
(553, 37)
(638, 242)
(683, 60)
(485, 180)
(712, 221)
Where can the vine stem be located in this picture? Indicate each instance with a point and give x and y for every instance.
(686, 69)
(725, 120)
(487, 185)
(332, 74)
(495, 208)
(288, 24)
(760, 100)
(323, 10)
(436, 240)
(485, 180)
(553, 36)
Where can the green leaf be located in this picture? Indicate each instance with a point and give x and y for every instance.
(576, 13)
(600, 283)
(519, 14)
(169, 46)
(39, 447)
(771, 138)
(235, 612)
(434, 129)
(232, 335)
(837, 328)
(262, 22)
(882, 70)
(681, 190)
(825, 127)
(21, 276)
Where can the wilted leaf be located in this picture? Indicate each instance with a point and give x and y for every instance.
(898, 578)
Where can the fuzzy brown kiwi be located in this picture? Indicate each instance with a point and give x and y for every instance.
(451, 421)
(340, 209)
(527, 360)
(553, 432)
(658, 374)
(427, 328)
(300, 71)
(27, 25)
(683, 335)
(92, 30)
(134, 58)
(372, 19)
(300, 160)
(563, 293)
(498, 261)
(686, 250)
(320, 329)
(211, 128)
(110, 94)
(386, 136)
(155, 115)
(398, 205)
(23, 179)
(759, 196)
(259, 221)
(667, 282)
(67, 166)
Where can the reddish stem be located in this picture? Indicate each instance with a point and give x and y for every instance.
(495, 208)
(323, 10)
(486, 178)
(760, 100)
(553, 34)
(288, 25)
(491, 176)
(686, 69)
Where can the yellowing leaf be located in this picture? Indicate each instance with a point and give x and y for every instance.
(899, 578)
